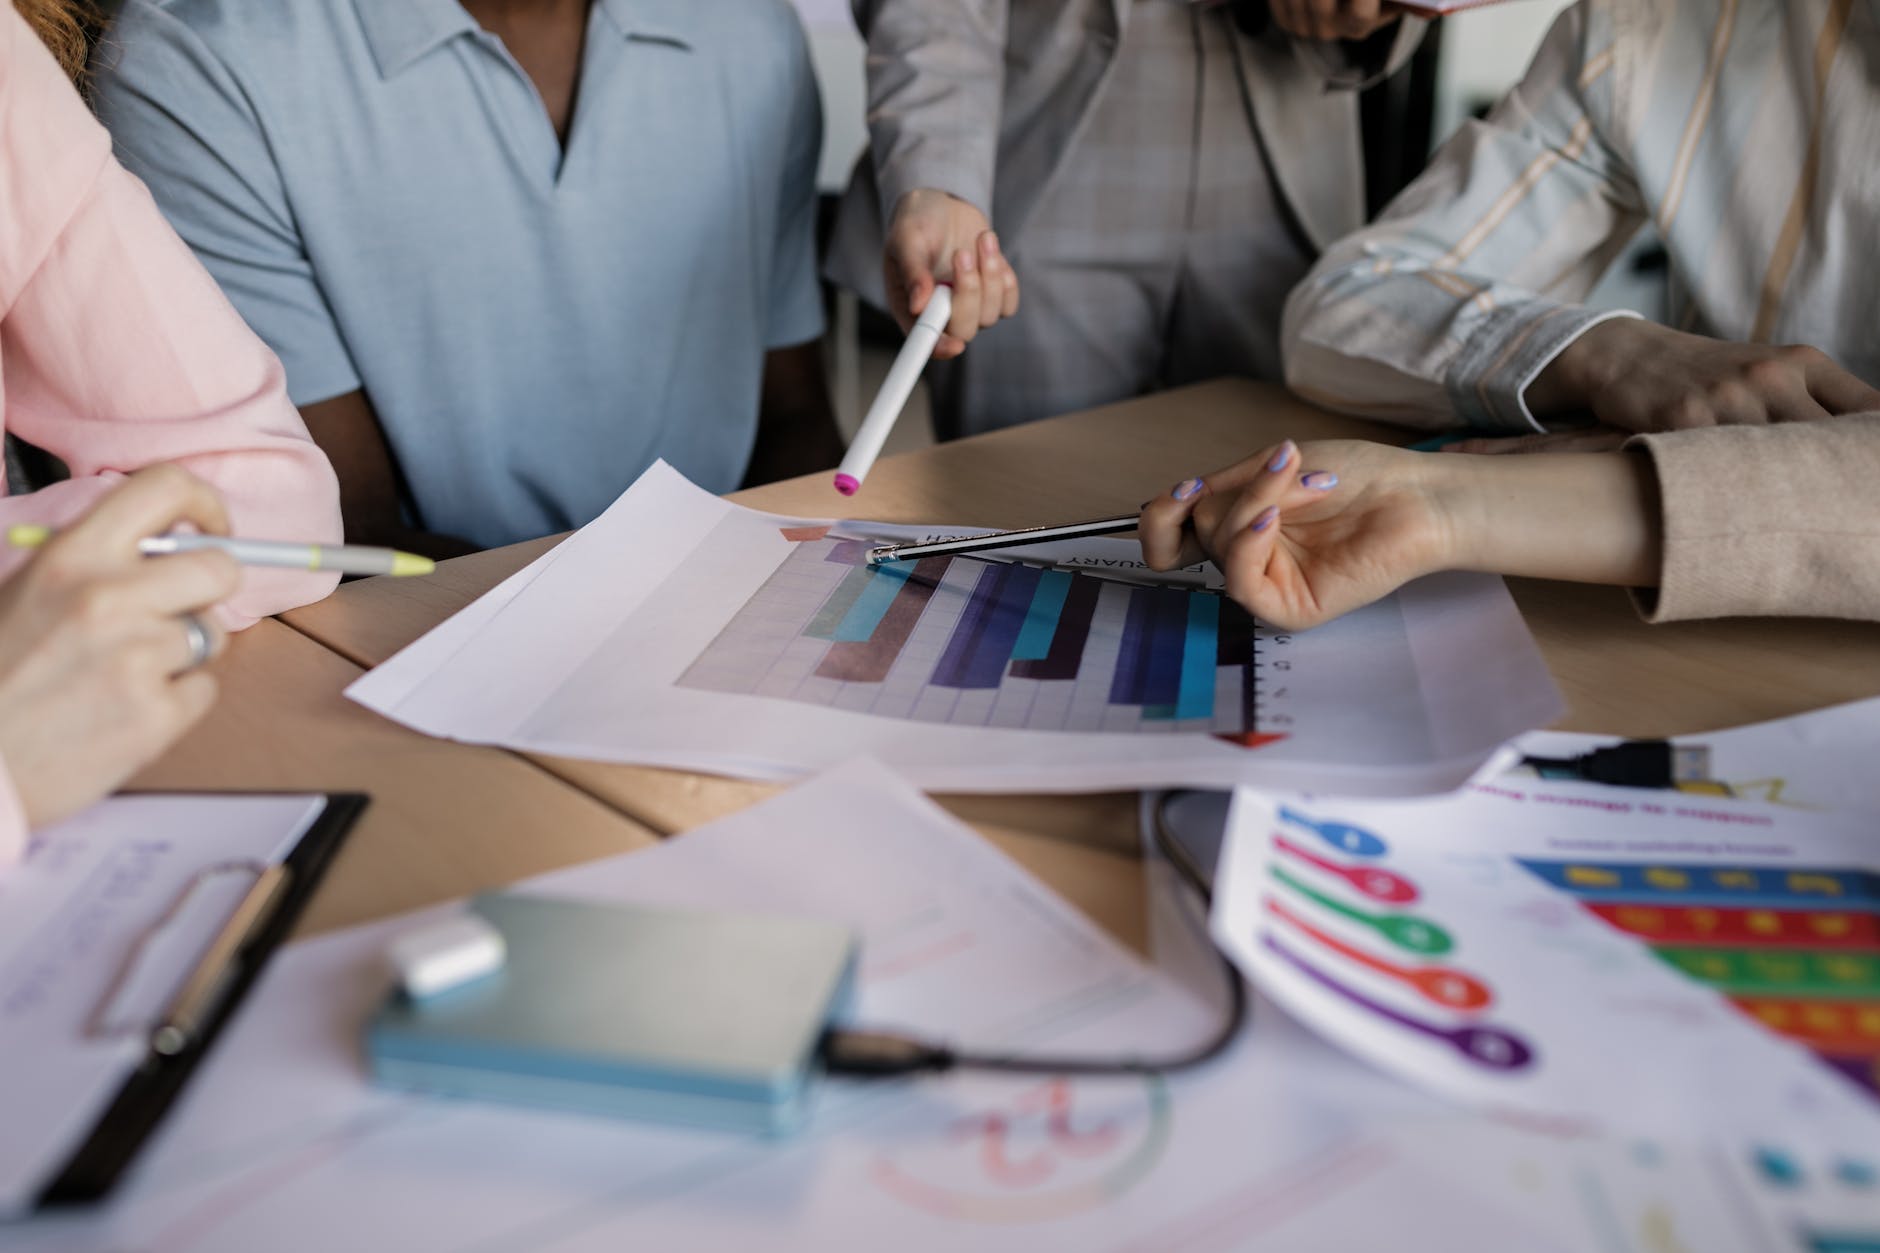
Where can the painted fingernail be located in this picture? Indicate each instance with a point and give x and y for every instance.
(1186, 489)
(1319, 480)
(1281, 459)
(1267, 517)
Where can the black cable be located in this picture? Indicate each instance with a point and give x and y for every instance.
(1656, 764)
(886, 1055)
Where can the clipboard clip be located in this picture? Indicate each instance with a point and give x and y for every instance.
(195, 1000)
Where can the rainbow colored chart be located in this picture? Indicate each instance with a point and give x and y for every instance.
(1796, 949)
(1346, 923)
(982, 643)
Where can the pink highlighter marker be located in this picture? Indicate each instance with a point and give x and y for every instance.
(895, 389)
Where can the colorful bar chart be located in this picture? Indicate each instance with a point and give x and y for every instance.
(983, 643)
(1795, 949)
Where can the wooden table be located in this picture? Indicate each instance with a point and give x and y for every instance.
(446, 819)
(1619, 675)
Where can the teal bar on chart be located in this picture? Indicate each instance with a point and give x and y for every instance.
(859, 623)
(1198, 657)
(1041, 620)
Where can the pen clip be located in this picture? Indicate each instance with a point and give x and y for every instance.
(202, 991)
(143, 965)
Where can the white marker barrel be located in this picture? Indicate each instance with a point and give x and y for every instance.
(895, 390)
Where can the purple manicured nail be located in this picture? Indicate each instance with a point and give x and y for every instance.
(1186, 489)
(1319, 480)
(1268, 516)
(1281, 459)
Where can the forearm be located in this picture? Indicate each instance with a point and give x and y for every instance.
(1583, 518)
(936, 75)
(1446, 310)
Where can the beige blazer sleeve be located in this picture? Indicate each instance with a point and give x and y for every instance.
(1769, 520)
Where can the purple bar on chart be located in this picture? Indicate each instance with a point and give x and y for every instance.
(870, 660)
(1073, 632)
(1864, 1071)
(972, 625)
(1488, 1047)
(993, 651)
(1168, 636)
(1132, 663)
(848, 552)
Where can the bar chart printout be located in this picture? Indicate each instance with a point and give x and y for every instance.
(982, 643)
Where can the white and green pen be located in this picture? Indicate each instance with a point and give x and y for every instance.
(276, 554)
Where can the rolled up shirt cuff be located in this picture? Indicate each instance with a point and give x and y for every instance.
(1489, 379)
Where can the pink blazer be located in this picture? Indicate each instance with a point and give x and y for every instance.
(118, 351)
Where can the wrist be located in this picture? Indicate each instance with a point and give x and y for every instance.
(1573, 380)
(1579, 517)
(1459, 517)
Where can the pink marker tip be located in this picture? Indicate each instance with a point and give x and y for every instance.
(848, 484)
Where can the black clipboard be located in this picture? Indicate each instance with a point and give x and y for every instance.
(146, 1096)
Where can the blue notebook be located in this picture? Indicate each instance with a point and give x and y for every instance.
(699, 1018)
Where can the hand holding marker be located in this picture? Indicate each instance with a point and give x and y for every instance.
(895, 390)
(275, 554)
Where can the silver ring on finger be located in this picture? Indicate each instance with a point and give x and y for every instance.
(201, 643)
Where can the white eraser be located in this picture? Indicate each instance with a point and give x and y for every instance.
(446, 955)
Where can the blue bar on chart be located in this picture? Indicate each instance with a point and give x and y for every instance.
(884, 583)
(1133, 661)
(1168, 632)
(1066, 656)
(1041, 620)
(1198, 658)
(971, 625)
(992, 651)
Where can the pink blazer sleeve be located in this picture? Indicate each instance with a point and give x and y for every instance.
(13, 831)
(118, 351)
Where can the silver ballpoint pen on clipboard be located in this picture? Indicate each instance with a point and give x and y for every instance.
(1002, 539)
(181, 1024)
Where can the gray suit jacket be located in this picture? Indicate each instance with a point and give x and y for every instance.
(982, 99)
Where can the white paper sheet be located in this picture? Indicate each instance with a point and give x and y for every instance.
(680, 630)
(76, 1002)
(1597, 956)
(1284, 1145)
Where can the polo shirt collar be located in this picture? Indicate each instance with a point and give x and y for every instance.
(401, 31)
(666, 21)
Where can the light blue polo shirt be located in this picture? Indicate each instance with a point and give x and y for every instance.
(377, 187)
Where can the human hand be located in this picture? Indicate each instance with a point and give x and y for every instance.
(96, 673)
(936, 237)
(1333, 19)
(1304, 533)
(1635, 375)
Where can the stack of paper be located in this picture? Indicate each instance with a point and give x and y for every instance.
(680, 630)
(1282, 1144)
